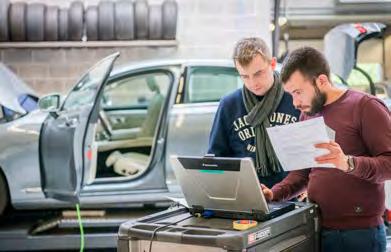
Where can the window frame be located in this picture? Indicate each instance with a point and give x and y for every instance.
(127, 75)
(187, 75)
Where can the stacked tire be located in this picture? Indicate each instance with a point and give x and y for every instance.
(109, 20)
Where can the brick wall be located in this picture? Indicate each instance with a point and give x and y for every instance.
(206, 29)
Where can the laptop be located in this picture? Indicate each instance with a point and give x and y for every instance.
(224, 187)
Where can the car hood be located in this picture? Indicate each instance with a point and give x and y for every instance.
(341, 43)
(11, 88)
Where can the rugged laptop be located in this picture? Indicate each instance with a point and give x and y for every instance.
(224, 187)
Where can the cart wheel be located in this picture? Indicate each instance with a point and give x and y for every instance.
(141, 19)
(75, 21)
(92, 23)
(4, 197)
(106, 20)
(63, 25)
(155, 22)
(17, 21)
(51, 23)
(124, 20)
(170, 13)
(4, 33)
(35, 21)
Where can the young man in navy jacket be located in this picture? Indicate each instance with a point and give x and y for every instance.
(239, 126)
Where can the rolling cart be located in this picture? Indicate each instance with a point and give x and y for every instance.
(177, 230)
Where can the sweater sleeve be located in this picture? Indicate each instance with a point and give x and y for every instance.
(218, 138)
(294, 184)
(376, 134)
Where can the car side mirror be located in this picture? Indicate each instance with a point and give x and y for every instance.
(50, 103)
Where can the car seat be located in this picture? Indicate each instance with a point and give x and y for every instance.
(132, 163)
(147, 128)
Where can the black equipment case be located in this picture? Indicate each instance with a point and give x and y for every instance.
(177, 230)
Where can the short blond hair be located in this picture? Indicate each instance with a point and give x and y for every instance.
(246, 49)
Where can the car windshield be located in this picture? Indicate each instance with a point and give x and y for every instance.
(84, 92)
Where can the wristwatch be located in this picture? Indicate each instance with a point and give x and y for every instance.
(351, 165)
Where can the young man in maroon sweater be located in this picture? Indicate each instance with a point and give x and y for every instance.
(350, 196)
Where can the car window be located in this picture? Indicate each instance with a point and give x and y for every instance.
(135, 91)
(209, 84)
(85, 91)
(27, 102)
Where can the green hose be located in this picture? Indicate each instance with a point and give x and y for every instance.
(81, 228)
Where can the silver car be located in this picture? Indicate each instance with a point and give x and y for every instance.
(107, 143)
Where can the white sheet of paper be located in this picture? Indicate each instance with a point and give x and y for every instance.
(294, 143)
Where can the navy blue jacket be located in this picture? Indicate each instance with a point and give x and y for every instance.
(232, 136)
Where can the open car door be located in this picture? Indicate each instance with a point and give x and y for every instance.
(341, 44)
(63, 136)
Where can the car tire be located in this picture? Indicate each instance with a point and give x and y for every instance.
(170, 15)
(35, 21)
(17, 21)
(4, 32)
(75, 21)
(91, 17)
(63, 25)
(51, 23)
(106, 20)
(4, 194)
(124, 20)
(141, 14)
(155, 22)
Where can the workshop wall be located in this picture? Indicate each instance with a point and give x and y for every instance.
(206, 29)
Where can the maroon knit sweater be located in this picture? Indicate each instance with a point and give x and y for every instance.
(349, 200)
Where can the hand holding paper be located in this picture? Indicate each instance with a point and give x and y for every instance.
(294, 144)
(335, 156)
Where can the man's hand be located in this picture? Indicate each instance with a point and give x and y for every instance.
(302, 196)
(335, 157)
(267, 192)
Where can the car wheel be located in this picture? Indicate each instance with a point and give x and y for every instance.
(170, 13)
(106, 20)
(51, 23)
(155, 22)
(92, 23)
(75, 19)
(17, 21)
(4, 197)
(4, 34)
(141, 19)
(124, 20)
(63, 25)
(35, 19)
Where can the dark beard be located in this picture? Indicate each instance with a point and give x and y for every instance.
(317, 102)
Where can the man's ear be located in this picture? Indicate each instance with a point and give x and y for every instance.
(322, 81)
(273, 63)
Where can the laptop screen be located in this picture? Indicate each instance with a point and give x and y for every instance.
(214, 183)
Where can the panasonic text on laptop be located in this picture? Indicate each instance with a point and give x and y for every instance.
(227, 187)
